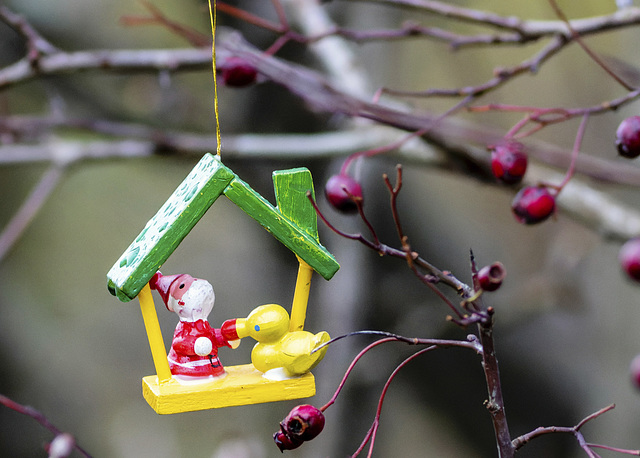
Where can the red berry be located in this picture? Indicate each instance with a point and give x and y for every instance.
(533, 204)
(628, 137)
(490, 277)
(508, 162)
(303, 423)
(634, 369)
(284, 442)
(341, 190)
(629, 258)
(236, 72)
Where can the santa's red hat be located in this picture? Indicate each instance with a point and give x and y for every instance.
(165, 283)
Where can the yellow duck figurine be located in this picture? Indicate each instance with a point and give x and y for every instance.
(276, 346)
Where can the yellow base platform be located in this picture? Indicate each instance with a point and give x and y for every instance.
(243, 385)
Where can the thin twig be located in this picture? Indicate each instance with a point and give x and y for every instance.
(250, 18)
(40, 418)
(501, 76)
(575, 431)
(282, 16)
(159, 18)
(371, 434)
(386, 250)
(36, 43)
(614, 449)
(350, 369)
(428, 279)
(576, 36)
(576, 151)
(29, 209)
(547, 116)
(394, 190)
(471, 342)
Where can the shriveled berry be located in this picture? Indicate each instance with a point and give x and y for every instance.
(508, 162)
(304, 422)
(629, 258)
(490, 277)
(341, 190)
(237, 72)
(628, 137)
(284, 442)
(61, 446)
(533, 204)
(634, 370)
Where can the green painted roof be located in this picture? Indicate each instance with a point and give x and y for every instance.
(293, 222)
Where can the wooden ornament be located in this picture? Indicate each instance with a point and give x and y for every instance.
(294, 223)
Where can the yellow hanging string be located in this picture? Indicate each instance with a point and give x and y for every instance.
(213, 17)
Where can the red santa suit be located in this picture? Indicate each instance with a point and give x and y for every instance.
(183, 359)
(194, 350)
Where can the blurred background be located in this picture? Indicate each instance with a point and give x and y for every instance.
(566, 318)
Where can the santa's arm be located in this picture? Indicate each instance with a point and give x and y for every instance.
(227, 335)
(229, 330)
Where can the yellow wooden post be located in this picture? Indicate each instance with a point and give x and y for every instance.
(300, 297)
(151, 324)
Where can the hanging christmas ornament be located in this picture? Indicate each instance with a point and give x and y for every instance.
(191, 377)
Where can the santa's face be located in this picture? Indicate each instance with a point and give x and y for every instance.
(192, 300)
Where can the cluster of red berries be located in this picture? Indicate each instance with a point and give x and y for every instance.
(303, 423)
(533, 204)
(628, 144)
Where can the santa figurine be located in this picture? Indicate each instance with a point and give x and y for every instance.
(194, 350)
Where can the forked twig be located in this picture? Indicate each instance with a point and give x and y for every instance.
(575, 431)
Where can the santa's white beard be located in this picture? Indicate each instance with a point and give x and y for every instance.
(198, 302)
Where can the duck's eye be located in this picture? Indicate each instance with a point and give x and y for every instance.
(181, 286)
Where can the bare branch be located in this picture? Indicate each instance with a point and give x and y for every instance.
(40, 418)
(158, 18)
(29, 209)
(578, 38)
(458, 13)
(594, 207)
(575, 431)
(130, 61)
(501, 75)
(36, 43)
(527, 29)
(318, 93)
